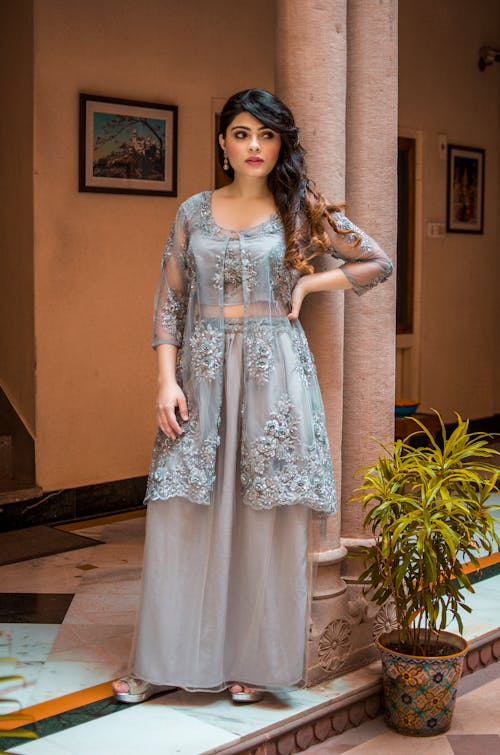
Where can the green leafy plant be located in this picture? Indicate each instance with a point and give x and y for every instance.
(428, 511)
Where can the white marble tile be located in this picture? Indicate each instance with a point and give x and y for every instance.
(61, 573)
(126, 531)
(51, 574)
(29, 646)
(477, 711)
(485, 604)
(43, 746)
(21, 690)
(58, 678)
(218, 709)
(27, 642)
(117, 556)
(354, 680)
(82, 642)
(112, 602)
(151, 729)
(112, 648)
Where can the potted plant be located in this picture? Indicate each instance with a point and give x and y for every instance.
(427, 509)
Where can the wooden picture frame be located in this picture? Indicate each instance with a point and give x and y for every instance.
(127, 146)
(465, 189)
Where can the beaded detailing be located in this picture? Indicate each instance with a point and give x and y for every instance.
(270, 474)
(207, 350)
(190, 471)
(231, 268)
(172, 313)
(207, 222)
(305, 359)
(228, 272)
(362, 251)
(355, 233)
(258, 350)
(281, 280)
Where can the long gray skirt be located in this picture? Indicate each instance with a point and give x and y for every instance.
(225, 592)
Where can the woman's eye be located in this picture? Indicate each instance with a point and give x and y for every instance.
(240, 134)
(268, 134)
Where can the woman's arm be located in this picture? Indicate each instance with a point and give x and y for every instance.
(329, 280)
(170, 394)
(365, 263)
(169, 317)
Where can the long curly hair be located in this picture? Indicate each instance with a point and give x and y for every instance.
(301, 207)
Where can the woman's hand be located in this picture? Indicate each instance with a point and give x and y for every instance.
(171, 397)
(299, 292)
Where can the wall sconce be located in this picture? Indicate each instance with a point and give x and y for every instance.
(488, 56)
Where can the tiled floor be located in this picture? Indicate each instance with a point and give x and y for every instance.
(69, 619)
(475, 728)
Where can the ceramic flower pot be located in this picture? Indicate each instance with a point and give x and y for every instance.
(420, 692)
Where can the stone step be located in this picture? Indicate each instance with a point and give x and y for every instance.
(12, 490)
(356, 698)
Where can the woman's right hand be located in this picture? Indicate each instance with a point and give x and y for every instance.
(170, 397)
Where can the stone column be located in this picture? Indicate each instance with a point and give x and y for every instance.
(311, 80)
(371, 183)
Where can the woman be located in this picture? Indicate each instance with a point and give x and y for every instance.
(242, 456)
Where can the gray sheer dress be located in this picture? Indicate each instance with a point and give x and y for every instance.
(225, 573)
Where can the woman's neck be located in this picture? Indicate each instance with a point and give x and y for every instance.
(247, 187)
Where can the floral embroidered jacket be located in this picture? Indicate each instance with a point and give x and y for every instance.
(214, 279)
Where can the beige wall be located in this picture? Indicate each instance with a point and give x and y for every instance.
(17, 346)
(97, 256)
(442, 91)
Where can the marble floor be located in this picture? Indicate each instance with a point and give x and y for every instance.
(475, 728)
(66, 627)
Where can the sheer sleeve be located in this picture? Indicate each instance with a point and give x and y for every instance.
(172, 293)
(365, 263)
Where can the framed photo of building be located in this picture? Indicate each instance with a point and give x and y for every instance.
(127, 146)
(465, 190)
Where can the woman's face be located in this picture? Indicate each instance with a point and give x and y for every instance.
(252, 148)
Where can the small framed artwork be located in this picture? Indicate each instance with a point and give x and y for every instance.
(127, 146)
(465, 190)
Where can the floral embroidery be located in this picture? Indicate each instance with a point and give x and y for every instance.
(258, 350)
(207, 350)
(232, 267)
(189, 471)
(363, 246)
(285, 457)
(355, 236)
(228, 272)
(305, 359)
(280, 280)
(172, 313)
(190, 266)
(251, 271)
(271, 473)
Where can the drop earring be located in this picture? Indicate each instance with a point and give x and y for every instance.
(226, 163)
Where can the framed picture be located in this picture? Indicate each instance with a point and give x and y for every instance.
(465, 192)
(127, 147)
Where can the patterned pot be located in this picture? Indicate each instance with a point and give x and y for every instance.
(420, 692)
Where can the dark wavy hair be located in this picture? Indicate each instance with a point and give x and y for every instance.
(301, 208)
